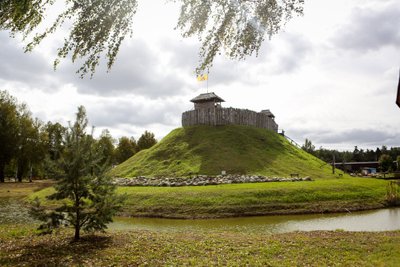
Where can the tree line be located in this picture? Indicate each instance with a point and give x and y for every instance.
(31, 148)
(384, 155)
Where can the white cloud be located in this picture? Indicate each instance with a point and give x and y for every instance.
(331, 76)
(138, 111)
(371, 28)
(139, 70)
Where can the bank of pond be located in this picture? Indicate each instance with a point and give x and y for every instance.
(245, 202)
(362, 238)
(15, 211)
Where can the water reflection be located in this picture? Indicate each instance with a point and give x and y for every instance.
(12, 211)
(378, 220)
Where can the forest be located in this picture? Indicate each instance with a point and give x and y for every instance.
(388, 158)
(31, 148)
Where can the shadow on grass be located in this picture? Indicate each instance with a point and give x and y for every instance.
(54, 250)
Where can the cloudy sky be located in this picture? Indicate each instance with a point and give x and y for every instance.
(330, 76)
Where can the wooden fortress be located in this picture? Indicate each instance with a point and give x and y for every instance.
(208, 111)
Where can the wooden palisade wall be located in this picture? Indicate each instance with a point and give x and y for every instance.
(227, 116)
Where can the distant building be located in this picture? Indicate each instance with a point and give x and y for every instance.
(208, 111)
(368, 171)
(356, 166)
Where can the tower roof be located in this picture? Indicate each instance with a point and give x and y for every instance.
(207, 97)
(268, 112)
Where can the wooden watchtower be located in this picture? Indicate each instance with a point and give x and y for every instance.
(207, 101)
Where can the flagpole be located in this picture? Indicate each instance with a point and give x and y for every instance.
(202, 78)
(208, 74)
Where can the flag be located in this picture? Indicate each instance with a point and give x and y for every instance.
(203, 77)
(398, 93)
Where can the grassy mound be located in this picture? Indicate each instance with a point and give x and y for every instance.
(210, 150)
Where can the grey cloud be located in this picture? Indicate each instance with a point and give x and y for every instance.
(137, 70)
(225, 71)
(300, 134)
(272, 60)
(363, 136)
(139, 114)
(371, 28)
(182, 55)
(298, 50)
(17, 66)
(185, 57)
(348, 138)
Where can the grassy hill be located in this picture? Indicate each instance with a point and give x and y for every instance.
(235, 149)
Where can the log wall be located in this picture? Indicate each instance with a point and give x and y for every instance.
(228, 116)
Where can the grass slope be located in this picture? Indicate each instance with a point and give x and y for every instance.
(321, 195)
(235, 149)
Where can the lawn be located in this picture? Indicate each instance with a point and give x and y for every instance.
(21, 246)
(321, 195)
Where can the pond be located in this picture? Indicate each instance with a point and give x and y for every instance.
(376, 220)
(14, 211)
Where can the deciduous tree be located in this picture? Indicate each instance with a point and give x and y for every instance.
(31, 148)
(146, 140)
(105, 146)
(54, 139)
(8, 130)
(385, 162)
(308, 146)
(126, 148)
(236, 28)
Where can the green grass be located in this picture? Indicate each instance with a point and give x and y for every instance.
(21, 247)
(235, 149)
(21, 190)
(322, 195)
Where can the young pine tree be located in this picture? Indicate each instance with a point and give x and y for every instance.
(91, 201)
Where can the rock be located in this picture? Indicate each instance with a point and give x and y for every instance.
(201, 180)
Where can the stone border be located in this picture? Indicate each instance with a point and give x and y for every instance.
(201, 180)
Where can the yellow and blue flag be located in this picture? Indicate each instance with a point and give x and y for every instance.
(202, 78)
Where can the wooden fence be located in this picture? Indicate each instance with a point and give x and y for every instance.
(227, 116)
